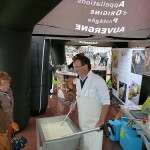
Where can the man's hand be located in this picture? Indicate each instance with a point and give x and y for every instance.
(103, 116)
(118, 115)
(73, 106)
(99, 123)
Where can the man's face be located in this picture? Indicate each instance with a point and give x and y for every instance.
(81, 70)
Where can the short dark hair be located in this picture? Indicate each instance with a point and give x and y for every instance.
(83, 59)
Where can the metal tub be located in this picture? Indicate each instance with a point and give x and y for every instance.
(70, 142)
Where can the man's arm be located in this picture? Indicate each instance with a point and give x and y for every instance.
(73, 106)
(103, 116)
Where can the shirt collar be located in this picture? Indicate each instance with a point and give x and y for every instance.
(85, 76)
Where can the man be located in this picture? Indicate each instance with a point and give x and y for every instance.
(92, 101)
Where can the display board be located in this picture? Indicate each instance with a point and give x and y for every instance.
(100, 57)
(127, 70)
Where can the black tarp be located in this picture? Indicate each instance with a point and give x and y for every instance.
(40, 49)
(41, 73)
(15, 59)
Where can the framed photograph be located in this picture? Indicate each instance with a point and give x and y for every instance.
(122, 91)
(137, 65)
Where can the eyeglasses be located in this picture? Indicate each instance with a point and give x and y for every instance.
(78, 67)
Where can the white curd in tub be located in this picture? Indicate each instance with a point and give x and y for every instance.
(55, 130)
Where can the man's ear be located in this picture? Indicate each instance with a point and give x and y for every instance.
(86, 67)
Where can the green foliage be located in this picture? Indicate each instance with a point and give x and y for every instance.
(109, 83)
(146, 106)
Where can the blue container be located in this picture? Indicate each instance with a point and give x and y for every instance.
(124, 119)
(116, 124)
(129, 140)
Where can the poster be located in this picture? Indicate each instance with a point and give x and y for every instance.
(100, 57)
(115, 58)
(134, 92)
(134, 88)
(127, 67)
